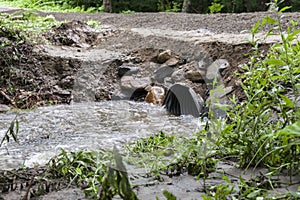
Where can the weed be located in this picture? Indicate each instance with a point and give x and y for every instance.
(52, 5)
(127, 12)
(215, 7)
(221, 191)
(93, 23)
(271, 85)
(176, 7)
(102, 174)
(27, 26)
(166, 154)
(12, 131)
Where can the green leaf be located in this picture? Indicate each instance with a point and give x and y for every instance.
(80, 162)
(293, 129)
(169, 195)
(253, 194)
(275, 62)
(289, 103)
(78, 171)
(11, 127)
(226, 179)
(284, 9)
(269, 20)
(64, 170)
(256, 27)
(14, 134)
(17, 127)
(291, 36)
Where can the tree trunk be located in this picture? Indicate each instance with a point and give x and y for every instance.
(107, 6)
(187, 6)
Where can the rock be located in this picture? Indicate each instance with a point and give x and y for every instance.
(162, 73)
(221, 91)
(196, 76)
(178, 75)
(171, 62)
(182, 100)
(66, 82)
(120, 96)
(127, 70)
(168, 82)
(213, 71)
(201, 65)
(192, 66)
(155, 95)
(4, 108)
(59, 91)
(131, 83)
(164, 56)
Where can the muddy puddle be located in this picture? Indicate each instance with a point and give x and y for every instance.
(45, 130)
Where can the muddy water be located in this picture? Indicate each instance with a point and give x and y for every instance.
(43, 131)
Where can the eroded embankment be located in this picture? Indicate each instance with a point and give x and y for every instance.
(78, 68)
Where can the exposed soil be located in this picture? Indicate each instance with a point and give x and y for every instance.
(52, 71)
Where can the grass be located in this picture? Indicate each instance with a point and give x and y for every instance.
(51, 6)
(26, 26)
(92, 169)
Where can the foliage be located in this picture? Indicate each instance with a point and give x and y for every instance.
(89, 6)
(93, 23)
(12, 131)
(169, 195)
(271, 84)
(221, 191)
(169, 6)
(163, 153)
(215, 7)
(127, 12)
(27, 26)
(103, 173)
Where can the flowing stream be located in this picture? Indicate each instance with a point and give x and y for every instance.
(45, 130)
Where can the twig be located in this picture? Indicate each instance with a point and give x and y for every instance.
(7, 98)
(28, 189)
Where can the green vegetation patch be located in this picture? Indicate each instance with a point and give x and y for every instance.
(102, 174)
(89, 6)
(17, 28)
(172, 155)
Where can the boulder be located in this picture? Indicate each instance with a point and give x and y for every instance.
(164, 56)
(171, 62)
(196, 76)
(168, 82)
(213, 71)
(4, 108)
(162, 73)
(132, 83)
(127, 70)
(155, 95)
(178, 76)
